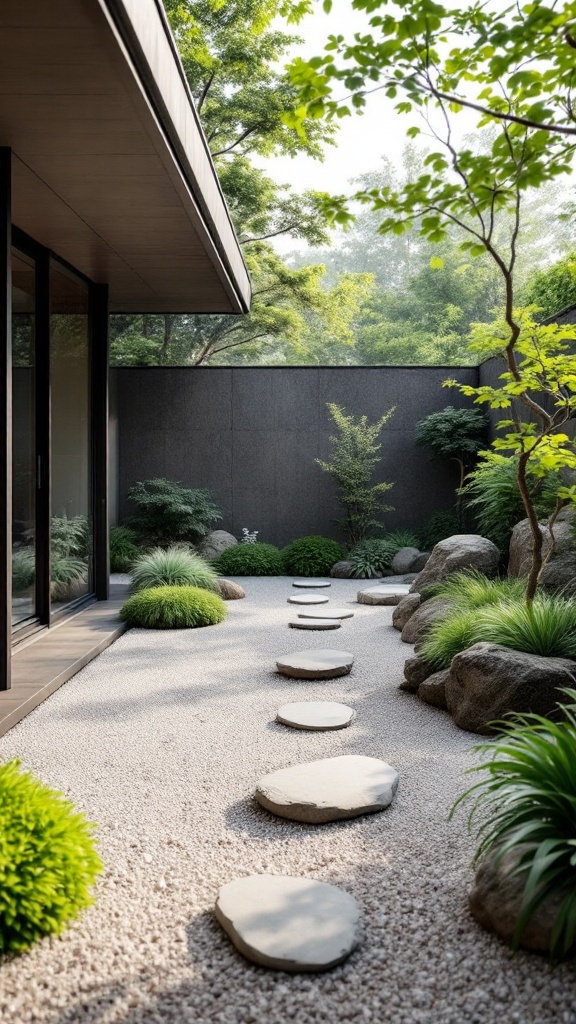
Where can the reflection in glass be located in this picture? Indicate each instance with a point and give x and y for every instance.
(71, 526)
(23, 440)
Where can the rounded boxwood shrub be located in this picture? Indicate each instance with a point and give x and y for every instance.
(172, 567)
(48, 860)
(250, 560)
(123, 549)
(173, 608)
(312, 556)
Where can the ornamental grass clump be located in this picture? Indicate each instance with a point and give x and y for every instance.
(448, 636)
(312, 556)
(471, 589)
(250, 560)
(173, 608)
(48, 860)
(526, 806)
(123, 549)
(172, 567)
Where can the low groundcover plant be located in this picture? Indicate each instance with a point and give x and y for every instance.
(173, 608)
(48, 860)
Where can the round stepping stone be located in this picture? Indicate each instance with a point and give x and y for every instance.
(291, 924)
(316, 715)
(311, 583)
(329, 790)
(384, 594)
(319, 664)
(334, 613)
(308, 599)
(315, 624)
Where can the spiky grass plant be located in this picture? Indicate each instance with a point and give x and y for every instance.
(123, 549)
(23, 568)
(172, 567)
(402, 539)
(526, 805)
(448, 636)
(471, 589)
(173, 608)
(48, 860)
(547, 627)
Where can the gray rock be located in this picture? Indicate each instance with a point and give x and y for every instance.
(290, 924)
(462, 551)
(432, 690)
(320, 664)
(230, 590)
(384, 593)
(404, 610)
(329, 790)
(308, 599)
(496, 899)
(407, 577)
(324, 613)
(316, 715)
(214, 543)
(315, 624)
(520, 554)
(420, 621)
(308, 584)
(416, 670)
(342, 570)
(403, 560)
(559, 575)
(420, 562)
(487, 681)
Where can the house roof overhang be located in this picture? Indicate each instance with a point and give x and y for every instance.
(111, 169)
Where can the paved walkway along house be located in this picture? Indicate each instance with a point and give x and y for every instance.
(161, 741)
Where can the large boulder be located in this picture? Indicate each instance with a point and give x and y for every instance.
(404, 610)
(419, 623)
(559, 574)
(432, 690)
(488, 681)
(214, 543)
(462, 551)
(496, 899)
(403, 560)
(416, 670)
(342, 570)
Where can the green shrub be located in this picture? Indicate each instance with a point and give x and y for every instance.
(69, 537)
(173, 608)
(312, 556)
(164, 512)
(48, 860)
(23, 568)
(439, 526)
(448, 636)
(402, 539)
(172, 567)
(371, 557)
(250, 560)
(492, 494)
(123, 549)
(64, 569)
(526, 805)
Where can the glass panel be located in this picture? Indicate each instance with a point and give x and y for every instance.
(71, 527)
(23, 440)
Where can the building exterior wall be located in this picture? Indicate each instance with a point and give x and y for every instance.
(251, 435)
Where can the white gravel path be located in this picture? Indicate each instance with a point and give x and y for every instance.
(162, 739)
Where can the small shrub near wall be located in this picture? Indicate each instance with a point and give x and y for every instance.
(312, 556)
(250, 560)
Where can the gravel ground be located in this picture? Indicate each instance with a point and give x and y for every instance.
(161, 741)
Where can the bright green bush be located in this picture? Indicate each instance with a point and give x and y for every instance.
(123, 549)
(450, 635)
(312, 556)
(48, 860)
(163, 512)
(172, 567)
(250, 560)
(525, 804)
(173, 608)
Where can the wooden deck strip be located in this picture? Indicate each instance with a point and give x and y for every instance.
(42, 666)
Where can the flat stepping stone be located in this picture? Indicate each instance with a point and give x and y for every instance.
(386, 594)
(334, 613)
(304, 583)
(308, 599)
(329, 790)
(315, 624)
(316, 715)
(319, 664)
(290, 924)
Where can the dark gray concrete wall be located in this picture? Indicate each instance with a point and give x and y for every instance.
(251, 436)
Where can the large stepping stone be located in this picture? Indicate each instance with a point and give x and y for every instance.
(320, 664)
(316, 715)
(386, 594)
(291, 924)
(329, 790)
(308, 599)
(315, 624)
(334, 613)
(304, 583)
